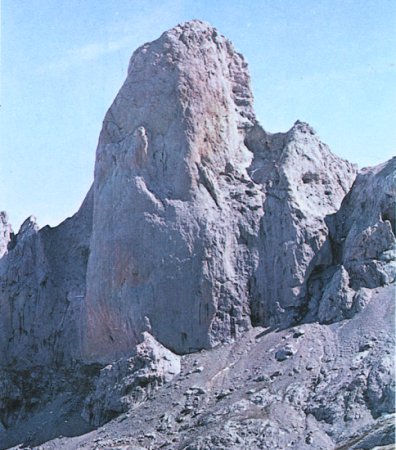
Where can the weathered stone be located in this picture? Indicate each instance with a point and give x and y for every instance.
(5, 233)
(337, 299)
(129, 381)
(285, 352)
(199, 225)
(42, 287)
(302, 182)
(363, 247)
(364, 228)
(174, 206)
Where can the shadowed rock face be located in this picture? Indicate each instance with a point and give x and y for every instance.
(199, 225)
(42, 286)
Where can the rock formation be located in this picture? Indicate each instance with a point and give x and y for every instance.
(204, 233)
(129, 381)
(302, 182)
(197, 209)
(363, 247)
(42, 283)
(5, 233)
(170, 202)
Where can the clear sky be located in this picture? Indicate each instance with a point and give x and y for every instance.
(328, 62)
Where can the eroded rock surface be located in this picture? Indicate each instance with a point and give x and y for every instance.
(5, 233)
(128, 382)
(364, 228)
(302, 182)
(42, 286)
(200, 226)
(329, 393)
(362, 238)
(174, 205)
(199, 214)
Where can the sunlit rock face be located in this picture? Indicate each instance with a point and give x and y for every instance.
(302, 182)
(200, 225)
(174, 205)
(5, 233)
(203, 221)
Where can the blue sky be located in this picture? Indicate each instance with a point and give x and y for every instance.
(328, 62)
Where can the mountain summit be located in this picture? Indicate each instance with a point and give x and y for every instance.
(248, 271)
(170, 161)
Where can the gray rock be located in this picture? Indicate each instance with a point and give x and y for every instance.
(5, 233)
(200, 225)
(363, 243)
(42, 286)
(231, 219)
(337, 299)
(327, 407)
(381, 387)
(364, 228)
(129, 381)
(298, 332)
(192, 243)
(285, 352)
(302, 183)
(174, 207)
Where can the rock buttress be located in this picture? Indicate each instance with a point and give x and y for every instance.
(172, 220)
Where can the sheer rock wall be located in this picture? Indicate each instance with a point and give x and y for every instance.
(199, 223)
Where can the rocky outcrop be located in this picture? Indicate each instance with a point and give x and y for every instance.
(302, 183)
(199, 214)
(5, 233)
(128, 382)
(362, 238)
(42, 286)
(202, 222)
(328, 393)
(363, 230)
(174, 205)
(199, 226)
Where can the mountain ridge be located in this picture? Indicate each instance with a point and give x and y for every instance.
(200, 229)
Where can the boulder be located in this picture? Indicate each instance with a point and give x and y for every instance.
(130, 381)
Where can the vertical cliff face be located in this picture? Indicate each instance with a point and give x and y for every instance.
(203, 222)
(198, 226)
(302, 182)
(199, 222)
(170, 210)
(42, 286)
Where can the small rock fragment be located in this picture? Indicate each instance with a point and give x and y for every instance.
(285, 352)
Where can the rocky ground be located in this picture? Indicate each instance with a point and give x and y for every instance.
(307, 387)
